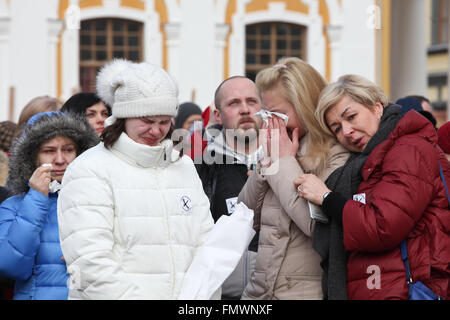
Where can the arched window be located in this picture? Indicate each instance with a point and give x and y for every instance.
(104, 39)
(267, 42)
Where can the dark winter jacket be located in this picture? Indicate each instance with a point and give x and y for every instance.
(29, 237)
(405, 199)
(328, 238)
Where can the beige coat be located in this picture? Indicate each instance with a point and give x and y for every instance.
(287, 267)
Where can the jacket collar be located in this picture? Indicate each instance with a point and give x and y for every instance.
(141, 155)
(411, 123)
(218, 145)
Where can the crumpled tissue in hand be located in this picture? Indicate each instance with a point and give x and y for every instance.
(54, 186)
(266, 114)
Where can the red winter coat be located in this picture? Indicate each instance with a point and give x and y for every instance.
(405, 198)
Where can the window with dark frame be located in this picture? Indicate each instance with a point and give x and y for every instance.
(102, 40)
(440, 22)
(268, 42)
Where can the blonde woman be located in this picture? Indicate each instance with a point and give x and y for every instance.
(287, 267)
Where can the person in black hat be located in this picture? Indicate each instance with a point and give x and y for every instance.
(417, 103)
(188, 112)
(90, 107)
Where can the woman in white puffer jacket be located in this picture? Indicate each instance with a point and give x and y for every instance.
(132, 213)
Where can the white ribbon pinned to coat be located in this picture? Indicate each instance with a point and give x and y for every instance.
(219, 255)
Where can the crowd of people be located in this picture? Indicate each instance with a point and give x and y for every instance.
(112, 194)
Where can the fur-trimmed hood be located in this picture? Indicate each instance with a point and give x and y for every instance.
(40, 129)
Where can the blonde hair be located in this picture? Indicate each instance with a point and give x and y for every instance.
(38, 105)
(358, 88)
(301, 85)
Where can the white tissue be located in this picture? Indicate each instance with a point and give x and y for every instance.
(54, 186)
(219, 255)
(266, 114)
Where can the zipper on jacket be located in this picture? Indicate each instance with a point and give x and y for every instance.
(169, 239)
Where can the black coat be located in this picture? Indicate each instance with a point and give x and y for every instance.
(222, 182)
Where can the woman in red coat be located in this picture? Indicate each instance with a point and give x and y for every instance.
(389, 190)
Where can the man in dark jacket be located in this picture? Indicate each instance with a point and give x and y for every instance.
(231, 153)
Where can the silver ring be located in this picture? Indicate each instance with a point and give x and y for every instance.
(298, 189)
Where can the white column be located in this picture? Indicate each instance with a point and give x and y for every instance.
(334, 35)
(358, 51)
(316, 46)
(236, 50)
(173, 47)
(5, 80)
(221, 33)
(54, 29)
(70, 63)
(3, 8)
(71, 52)
(409, 56)
(153, 46)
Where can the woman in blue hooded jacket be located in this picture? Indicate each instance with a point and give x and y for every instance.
(29, 237)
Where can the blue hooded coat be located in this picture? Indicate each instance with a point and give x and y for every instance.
(30, 252)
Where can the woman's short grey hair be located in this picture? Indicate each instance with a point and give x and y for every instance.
(358, 88)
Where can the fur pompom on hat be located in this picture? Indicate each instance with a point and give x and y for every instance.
(137, 89)
(186, 110)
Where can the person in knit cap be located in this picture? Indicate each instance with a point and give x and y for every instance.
(29, 238)
(188, 124)
(444, 138)
(417, 103)
(132, 211)
(188, 112)
(88, 106)
(408, 104)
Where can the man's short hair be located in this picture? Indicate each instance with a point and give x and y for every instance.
(217, 96)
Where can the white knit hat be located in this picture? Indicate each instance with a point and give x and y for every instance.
(137, 89)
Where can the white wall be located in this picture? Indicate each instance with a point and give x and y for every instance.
(195, 35)
(196, 54)
(357, 39)
(5, 52)
(31, 59)
(408, 49)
